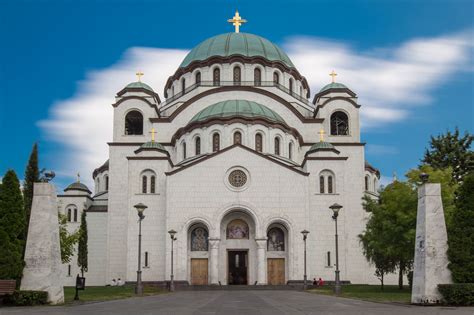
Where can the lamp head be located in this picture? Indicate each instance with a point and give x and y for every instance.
(140, 209)
(335, 209)
(305, 234)
(172, 234)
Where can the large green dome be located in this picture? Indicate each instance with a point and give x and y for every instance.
(242, 44)
(239, 108)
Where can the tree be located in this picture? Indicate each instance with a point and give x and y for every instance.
(448, 186)
(12, 226)
(451, 150)
(461, 234)
(82, 245)
(31, 177)
(374, 243)
(391, 228)
(67, 240)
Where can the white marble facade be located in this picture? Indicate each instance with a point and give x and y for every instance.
(202, 193)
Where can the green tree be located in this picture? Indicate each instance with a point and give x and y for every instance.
(451, 150)
(461, 234)
(12, 226)
(31, 177)
(66, 240)
(448, 186)
(82, 245)
(373, 241)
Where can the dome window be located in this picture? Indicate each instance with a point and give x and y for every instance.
(134, 123)
(339, 124)
(277, 146)
(216, 77)
(257, 77)
(237, 137)
(237, 75)
(291, 86)
(198, 78)
(258, 142)
(276, 78)
(197, 146)
(183, 86)
(216, 142)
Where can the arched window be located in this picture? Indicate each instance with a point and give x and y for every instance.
(375, 184)
(258, 142)
(199, 239)
(327, 179)
(144, 184)
(321, 184)
(291, 86)
(339, 124)
(106, 182)
(216, 142)
(301, 91)
(198, 78)
(276, 78)
(134, 123)
(290, 150)
(237, 229)
(183, 86)
(330, 188)
(98, 184)
(152, 184)
(257, 76)
(367, 183)
(275, 240)
(184, 150)
(69, 214)
(172, 90)
(75, 215)
(197, 146)
(277, 146)
(237, 137)
(237, 76)
(216, 77)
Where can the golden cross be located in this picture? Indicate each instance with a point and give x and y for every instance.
(78, 177)
(153, 132)
(139, 75)
(321, 135)
(333, 75)
(237, 21)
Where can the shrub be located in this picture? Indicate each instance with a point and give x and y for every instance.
(458, 293)
(26, 298)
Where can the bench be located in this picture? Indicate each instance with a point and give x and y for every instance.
(7, 287)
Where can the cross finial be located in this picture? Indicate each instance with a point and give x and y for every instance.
(237, 21)
(333, 75)
(153, 132)
(321, 135)
(78, 177)
(139, 75)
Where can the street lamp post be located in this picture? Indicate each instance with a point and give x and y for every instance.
(140, 208)
(173, 238)
(305, 236)
(335, 209)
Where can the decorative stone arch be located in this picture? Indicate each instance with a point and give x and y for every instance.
(247, 209)
(327, 178)
(349, 125)
(242, 137)
(72, 212)
(147, 185)
(124, 119)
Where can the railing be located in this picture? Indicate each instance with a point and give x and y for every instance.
(232, 83)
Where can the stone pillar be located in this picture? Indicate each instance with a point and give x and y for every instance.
(261, 266)
(43, 270)
(431, 260)
(214, 264)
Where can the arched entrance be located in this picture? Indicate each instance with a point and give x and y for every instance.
(198, 254)
(277, 254)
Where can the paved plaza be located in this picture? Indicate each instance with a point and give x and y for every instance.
(238, 302)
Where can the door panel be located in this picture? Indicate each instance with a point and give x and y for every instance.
(199, 270)
(238, 261)
(276, 271)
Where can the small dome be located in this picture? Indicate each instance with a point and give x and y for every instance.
(78, 186)
(139, 85)
(333, 85)
(239, 108)
(321, 145)
(242, 44)
(152, 145)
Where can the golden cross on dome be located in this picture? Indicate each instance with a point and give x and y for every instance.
(333, 75)
(237, 21)
(153, 132)
(78, 177)
(321, 135)
(139, 75)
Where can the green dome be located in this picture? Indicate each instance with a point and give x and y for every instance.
(240, 108)
(333, 85)
(321, 145)
(152, 145)
(242, 44)
(139, 85)
(78, 186)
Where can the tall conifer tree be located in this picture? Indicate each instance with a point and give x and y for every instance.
(82, 246)
(31, 177)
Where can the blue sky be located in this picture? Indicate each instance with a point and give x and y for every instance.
(410, 62)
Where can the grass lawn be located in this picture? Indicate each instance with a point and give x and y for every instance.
(107, 293)
(391, 293)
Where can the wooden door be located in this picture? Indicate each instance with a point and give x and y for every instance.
(199, 271)
(276, 271)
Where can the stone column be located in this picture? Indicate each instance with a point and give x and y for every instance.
(261, 266)
(214, 263)
(431, 261)
(43, 270)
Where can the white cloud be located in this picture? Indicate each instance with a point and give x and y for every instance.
(389, 82)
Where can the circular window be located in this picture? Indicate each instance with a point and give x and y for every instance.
(237, 178)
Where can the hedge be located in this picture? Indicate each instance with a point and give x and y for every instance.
(26, 298)
(457, 293)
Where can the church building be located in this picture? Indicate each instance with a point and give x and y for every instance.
(238, 161)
